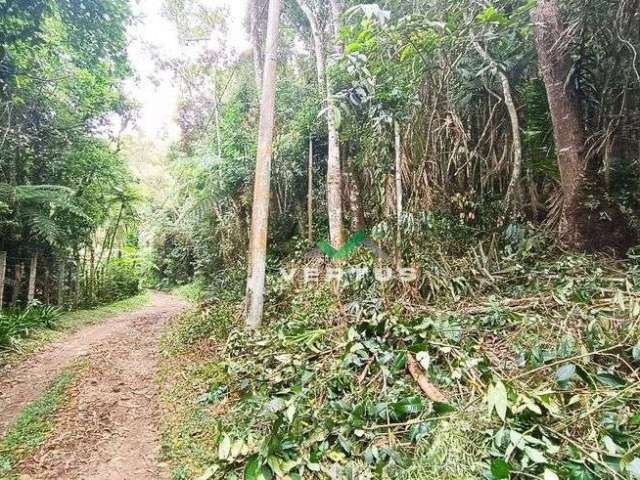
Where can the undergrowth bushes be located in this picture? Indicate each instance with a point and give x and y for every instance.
(20, 323)
(537, 356)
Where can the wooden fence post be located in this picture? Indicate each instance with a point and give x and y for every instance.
(3, 268)
(31, 293)
(61, 275)
(17, 281)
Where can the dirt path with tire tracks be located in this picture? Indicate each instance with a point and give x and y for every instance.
(109, 428)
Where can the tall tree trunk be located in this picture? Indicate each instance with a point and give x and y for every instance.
(589, 221)
(77, 284)
(3, 269)
(398, 178)
(33, 272)
(113, 235)
(318, 45)
(310, 194)
(260, 214)
(334, 170)
(256, 11)
(358, 222)
(60, 285)
(216, 115)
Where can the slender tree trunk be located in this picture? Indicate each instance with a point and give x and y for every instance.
(513, 190)
(77, 284)
(92, 279)
(33, 271)
(318, 45)
(589, 221)
(398, 175)
(216, 116)
(112, 240)
(60, 286)
(46, 290)
(256, 10)
(334, 170)
(3, 269)
(310, 194)
(260, 214)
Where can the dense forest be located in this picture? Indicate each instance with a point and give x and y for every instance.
(408, 229)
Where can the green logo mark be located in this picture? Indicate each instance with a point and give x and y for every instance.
(356, 240)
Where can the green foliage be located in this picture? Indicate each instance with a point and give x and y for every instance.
(16, 324)
(323, 392)
(62, 183)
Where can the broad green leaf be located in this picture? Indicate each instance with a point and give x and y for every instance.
(500, 469)
(610, 380)
(407, 406)
(565, 372)
(442, 408)
(497, 399)
(254, 470)
(535, 455)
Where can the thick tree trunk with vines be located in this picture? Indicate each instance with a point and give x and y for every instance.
(589, 222)
(262, 188)
(358, 222)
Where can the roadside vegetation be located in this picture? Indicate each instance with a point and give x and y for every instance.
(36, 421)
(69, 204)
(24, 330)
(522, 365)
(491, 146)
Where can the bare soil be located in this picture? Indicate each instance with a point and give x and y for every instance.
(108, 430)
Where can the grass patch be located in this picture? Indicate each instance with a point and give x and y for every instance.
(194, 291)
(81, 318)
(34, 424)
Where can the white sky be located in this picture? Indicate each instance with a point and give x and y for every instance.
(152, 37)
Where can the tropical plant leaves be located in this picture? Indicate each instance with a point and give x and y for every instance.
(500, 469)
(566, 372)
(497, 399)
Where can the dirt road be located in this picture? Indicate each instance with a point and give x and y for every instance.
(109, 428)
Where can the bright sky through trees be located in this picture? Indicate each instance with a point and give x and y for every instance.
(153, 38)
